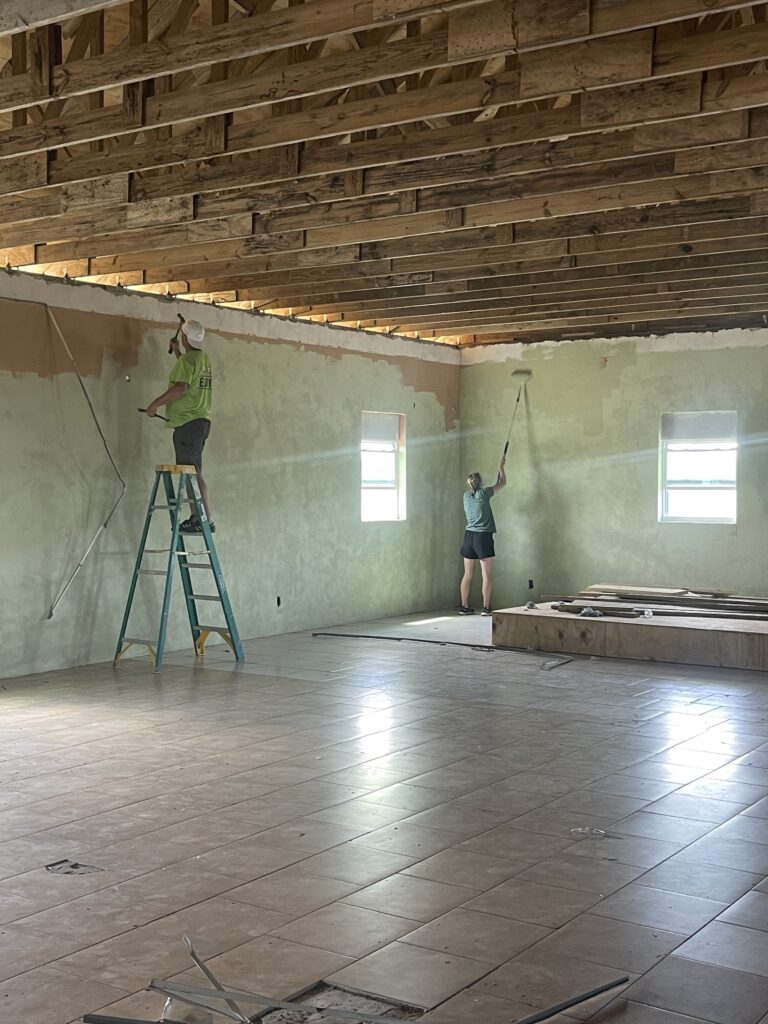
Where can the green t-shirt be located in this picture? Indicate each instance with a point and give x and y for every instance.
(194, 369)
(477, 508)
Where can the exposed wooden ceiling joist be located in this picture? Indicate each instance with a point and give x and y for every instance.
(20, 15)
(462, 169)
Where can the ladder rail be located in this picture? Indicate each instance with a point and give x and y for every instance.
(174, 508)
(187, 491)
(218, 575)
(186, 583)
(137, 566)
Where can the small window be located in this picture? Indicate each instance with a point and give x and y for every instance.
(382, 466)
(698, 467)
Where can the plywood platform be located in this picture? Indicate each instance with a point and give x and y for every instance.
(727, 643)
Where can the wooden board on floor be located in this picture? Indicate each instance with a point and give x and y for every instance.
(726, 643)
(687, 599)
(627, 591)
(634, 609)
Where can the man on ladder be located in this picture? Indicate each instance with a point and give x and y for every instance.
(189, 400)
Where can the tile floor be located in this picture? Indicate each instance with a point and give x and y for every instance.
(402, 819)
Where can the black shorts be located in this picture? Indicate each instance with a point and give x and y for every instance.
(478, 545)
(189, 441)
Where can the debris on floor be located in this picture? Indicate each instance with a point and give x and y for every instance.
(328, 995)
(174, 1013)
(556, 663)
(325, 1004)
(71, 867)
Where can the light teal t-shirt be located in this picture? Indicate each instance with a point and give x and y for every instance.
(477, 508)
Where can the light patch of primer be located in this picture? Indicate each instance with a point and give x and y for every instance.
(738, 337)
(754, 337)
(90, 298)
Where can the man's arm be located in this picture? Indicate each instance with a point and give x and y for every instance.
(175, 391)
(501, 479)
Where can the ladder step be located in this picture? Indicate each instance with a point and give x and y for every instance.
(200, 553)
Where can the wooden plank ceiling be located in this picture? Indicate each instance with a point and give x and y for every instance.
(471, 171)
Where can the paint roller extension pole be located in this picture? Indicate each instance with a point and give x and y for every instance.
(551, 1011)
(517, 405)
(522, 376)
(123, 485)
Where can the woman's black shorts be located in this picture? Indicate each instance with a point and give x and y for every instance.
(478, 545)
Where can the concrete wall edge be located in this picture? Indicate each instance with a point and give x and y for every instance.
(644, 344)
(90, 298)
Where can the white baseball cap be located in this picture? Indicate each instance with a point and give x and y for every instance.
(195, 333)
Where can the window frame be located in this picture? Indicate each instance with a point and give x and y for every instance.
(399, 451)
(665, 487)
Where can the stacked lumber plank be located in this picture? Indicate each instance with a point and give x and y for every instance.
(621, 599)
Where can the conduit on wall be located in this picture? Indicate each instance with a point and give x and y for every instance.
(123, 487)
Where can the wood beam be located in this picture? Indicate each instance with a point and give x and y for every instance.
(320, 20)
(557, 298)
(307, 79)
(638, 327)
(533, 276)
(298, 231)
(593, 322)
(379, 213)
(483, 269)
(261, 165)
(275, 165)
(504, 163)
(431, 254)
(640, 297)
(245, 38)
(20, 15)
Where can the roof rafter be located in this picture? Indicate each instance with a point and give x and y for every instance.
(455, 168)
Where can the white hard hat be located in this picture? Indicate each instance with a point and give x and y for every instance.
(195, 333)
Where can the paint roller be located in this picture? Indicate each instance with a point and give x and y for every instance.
(521, 378)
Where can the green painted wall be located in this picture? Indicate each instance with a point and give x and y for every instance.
(582, 501)
(282, 464)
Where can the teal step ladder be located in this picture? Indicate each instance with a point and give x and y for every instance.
(175, 498)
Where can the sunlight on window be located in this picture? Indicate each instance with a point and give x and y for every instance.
(382, 467)
(698, 471)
